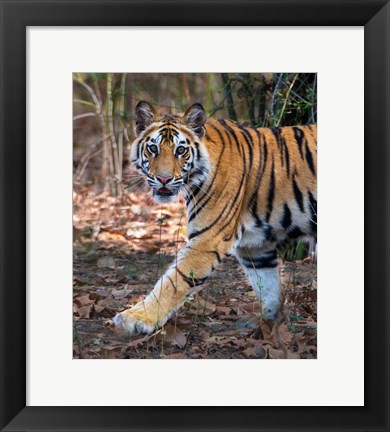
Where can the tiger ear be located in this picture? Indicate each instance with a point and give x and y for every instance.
(195, 118)
(144, 116)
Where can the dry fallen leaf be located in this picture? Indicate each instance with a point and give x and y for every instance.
(279, 354)
(224, 310)
(285, 334)
(173, 335)
(83, 300)
(202, 307)
(257, 351)
(106, 262)
(111, 351)
(250, 307)
(176, 356)
(84, 312)
(99, 308)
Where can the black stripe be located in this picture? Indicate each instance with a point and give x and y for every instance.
(287, 156)
(196, 233)
(267, 260)
(197, 209)
(295, 232)
(163, 132)
(242, 185)
(258, 221)
(216, 254)
(298, 195)
(191, 281)
(268, 233)
(195, 189)
(219, 133)
(271, 193)
(309, 159)
(313, 203)
(206, 192)
(200, 170)
(298, 135)
(261, 169)
(282, 146)
(276, 131)
(265, 148)
(313, 212)
(174, 286)
(249, 140)
(231, 130)
(286, 219)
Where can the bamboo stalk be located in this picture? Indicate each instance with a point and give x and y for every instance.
(121, 125)
(114, 160)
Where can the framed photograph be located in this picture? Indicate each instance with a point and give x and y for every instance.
(108, 108)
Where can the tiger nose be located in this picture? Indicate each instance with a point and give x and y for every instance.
(163, 180)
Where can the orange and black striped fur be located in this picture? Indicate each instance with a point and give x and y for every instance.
(246, 189)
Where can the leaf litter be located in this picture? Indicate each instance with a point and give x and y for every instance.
(122, 245)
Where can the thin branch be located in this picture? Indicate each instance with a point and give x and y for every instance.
(271, 111)
(80, 116)
(84, 162)
(91, 93)
(286, 100)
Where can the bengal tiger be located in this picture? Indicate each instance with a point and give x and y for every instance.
(245, 189)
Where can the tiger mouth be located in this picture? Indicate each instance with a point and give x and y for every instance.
(165, 192)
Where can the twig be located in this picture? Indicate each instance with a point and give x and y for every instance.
(91, 93)
(90, 154)
(286, 100)
(80, 116)
(271, 111)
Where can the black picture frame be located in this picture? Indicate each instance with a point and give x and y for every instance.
(16, 16)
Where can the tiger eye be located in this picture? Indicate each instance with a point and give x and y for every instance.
(181, 150)
(153, 148)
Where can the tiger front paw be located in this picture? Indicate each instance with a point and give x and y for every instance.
(134, 322)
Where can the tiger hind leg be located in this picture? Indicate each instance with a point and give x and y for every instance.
(261, 268)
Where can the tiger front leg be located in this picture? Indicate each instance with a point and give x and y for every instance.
(192, 267)
(155, 309)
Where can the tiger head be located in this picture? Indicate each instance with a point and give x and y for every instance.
(169, 150)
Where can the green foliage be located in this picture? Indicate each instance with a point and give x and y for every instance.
(293, 250)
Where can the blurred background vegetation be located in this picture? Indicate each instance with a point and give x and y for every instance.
(103, 107)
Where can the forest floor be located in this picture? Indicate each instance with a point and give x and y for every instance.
(121, 248)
